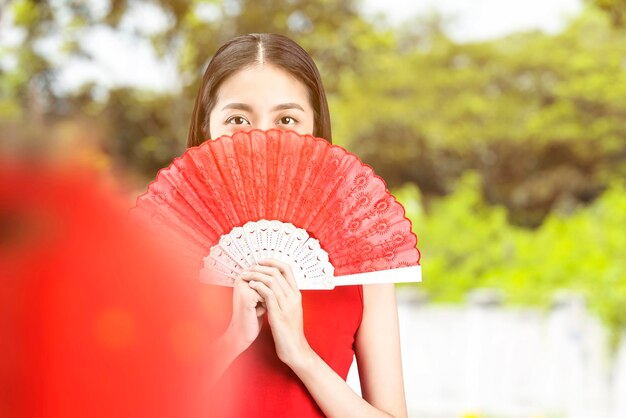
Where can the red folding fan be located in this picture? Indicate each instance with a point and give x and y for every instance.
(277, 194)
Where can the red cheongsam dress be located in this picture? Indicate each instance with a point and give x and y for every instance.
(258, 384)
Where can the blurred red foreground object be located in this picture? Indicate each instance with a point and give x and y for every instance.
(96, 320)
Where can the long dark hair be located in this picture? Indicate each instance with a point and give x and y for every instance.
(244, 51)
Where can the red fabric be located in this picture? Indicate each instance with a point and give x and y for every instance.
(95, 319)
(258, 384)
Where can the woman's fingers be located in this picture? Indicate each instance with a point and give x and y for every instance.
(268, 295)
(284, 269)
(248, 294)
(260, 308)
(268, 281)
(278, 277)
(246, 320)
(275, 273)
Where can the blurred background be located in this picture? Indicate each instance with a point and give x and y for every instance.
(500, 125)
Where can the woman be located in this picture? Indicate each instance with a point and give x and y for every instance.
(291, 350)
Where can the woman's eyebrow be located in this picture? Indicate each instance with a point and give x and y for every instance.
(238, 106)
(284, 106)
(248, 108)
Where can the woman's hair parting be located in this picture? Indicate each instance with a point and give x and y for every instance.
(246, 51)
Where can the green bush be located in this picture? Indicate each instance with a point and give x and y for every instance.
(466, 244)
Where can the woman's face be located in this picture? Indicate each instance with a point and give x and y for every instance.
(261, 97)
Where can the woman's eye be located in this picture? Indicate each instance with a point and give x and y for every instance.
(238, 120)
(293, 121)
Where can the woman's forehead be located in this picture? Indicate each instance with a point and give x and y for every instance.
(267, 86)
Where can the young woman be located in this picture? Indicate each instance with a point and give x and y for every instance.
(290, 350)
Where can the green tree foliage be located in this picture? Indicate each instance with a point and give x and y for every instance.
(467, 243)
(616, 9)
(541, 117)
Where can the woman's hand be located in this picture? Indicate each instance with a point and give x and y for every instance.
(275, 283)
(247, 318)
(245, 325)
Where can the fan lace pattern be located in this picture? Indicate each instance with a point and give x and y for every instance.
(281, 175)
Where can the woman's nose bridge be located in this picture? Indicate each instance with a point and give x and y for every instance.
(264, 122)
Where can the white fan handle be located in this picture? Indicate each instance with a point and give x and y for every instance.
(396, 275)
